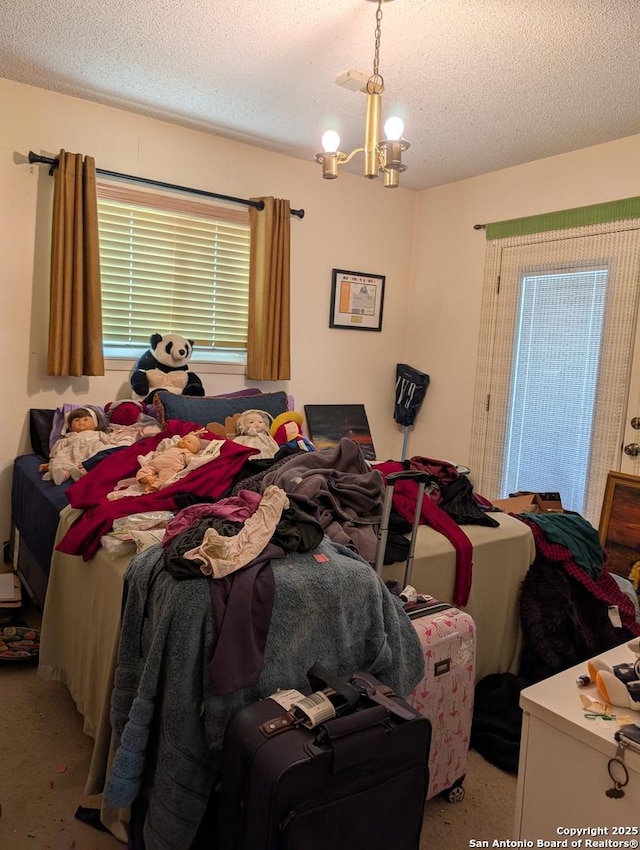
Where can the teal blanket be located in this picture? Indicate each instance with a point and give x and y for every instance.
(168, 726)
(578, 535)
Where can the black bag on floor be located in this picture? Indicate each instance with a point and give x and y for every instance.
(497, 720)
(357, 780)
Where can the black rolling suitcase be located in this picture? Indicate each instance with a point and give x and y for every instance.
(422, 479)
(292, 780)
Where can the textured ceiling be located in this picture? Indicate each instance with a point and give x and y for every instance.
(480, 84)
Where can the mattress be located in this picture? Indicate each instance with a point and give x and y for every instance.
(35, 511)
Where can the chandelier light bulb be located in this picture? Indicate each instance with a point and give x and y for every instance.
(393, 129)
(330, 141)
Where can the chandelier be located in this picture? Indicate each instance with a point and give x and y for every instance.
(380, 155)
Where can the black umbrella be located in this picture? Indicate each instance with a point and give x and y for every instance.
(411, 388)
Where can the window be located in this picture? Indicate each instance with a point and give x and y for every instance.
(555, 362)
(172, 265)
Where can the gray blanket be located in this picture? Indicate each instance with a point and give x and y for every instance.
(339, 487)
(168, 726)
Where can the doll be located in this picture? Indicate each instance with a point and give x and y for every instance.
(82, 437)
(286, 430)
(156, 470)
(128, 421)
(253, 431)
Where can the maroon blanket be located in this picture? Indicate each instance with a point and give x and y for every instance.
(405, 497)
(90, 492)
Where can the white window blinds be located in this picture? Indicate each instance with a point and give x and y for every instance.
(553, 383)
(172, 265)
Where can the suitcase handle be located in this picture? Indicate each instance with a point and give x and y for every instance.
(409, 475)
(353, 735)
(381, 694)
(421, 478)
(319, 677)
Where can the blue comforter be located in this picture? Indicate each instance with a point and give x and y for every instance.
(167, 723)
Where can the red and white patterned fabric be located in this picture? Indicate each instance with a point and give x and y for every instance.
(445, 695)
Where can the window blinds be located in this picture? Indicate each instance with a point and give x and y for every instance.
(553, 384)
(172, 265)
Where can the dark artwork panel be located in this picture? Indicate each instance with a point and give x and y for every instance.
(623, 534)
(329, 423)
(620, 523)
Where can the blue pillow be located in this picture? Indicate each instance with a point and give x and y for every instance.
(203, 410)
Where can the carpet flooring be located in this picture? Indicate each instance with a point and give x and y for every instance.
(44, 758)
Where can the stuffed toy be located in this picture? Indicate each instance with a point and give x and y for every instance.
(129, 420)
(163, 368)
(618, 684)
(123, 412)
(286, 430)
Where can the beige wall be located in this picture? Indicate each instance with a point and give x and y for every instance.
(350, 223)
(423, 242)
(449, 263)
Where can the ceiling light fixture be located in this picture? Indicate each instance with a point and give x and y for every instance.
(380, 155)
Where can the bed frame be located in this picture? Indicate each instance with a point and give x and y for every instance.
(35, 512)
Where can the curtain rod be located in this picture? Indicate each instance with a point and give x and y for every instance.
(259, 205)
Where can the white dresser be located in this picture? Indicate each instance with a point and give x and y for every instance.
(563, 777)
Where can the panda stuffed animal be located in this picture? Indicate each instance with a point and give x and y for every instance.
(164, 368)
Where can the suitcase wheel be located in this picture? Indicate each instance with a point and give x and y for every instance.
(455, 794)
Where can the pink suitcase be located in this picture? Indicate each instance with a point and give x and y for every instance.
(445, 695)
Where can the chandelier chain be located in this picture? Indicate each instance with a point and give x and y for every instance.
(376, 55)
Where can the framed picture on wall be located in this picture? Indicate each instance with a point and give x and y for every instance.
(619, 528)
(357, 299)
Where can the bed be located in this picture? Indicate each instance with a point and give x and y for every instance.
(82, 616)
(31, 543)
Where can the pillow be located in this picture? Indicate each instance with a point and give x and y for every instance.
(159, 407)
(40, 424)
(59, 418)
(202, 410)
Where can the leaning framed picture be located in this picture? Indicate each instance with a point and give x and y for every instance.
(357, 299)
(329, 423)
(619, 528)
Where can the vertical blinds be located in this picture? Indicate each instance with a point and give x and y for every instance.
(172, 265)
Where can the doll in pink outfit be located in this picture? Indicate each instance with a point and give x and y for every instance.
(163, 465)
